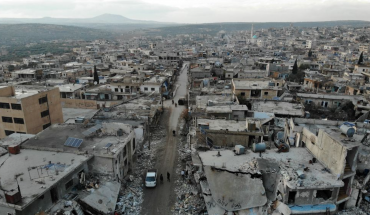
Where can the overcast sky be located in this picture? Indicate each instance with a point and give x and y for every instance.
(192, 11)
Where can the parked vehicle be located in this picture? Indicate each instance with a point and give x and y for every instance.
(151, 178)
(182, 101)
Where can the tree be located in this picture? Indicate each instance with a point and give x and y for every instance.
(310, 53)
(361, 59)
(11, 68)
(96, 77)
(295, 67)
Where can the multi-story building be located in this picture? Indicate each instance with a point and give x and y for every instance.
(28, 109)
(257, 88)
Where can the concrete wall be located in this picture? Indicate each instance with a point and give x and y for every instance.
(157, 88)
(270, 94)
(327, 150)
(32, 114)
(7, 91)
(78, 103)
(13, 114)
(230, 139)
(309, 197)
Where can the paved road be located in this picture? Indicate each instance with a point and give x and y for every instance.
(159, 200)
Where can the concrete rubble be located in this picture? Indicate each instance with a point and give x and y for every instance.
(132, 192)
(189, 199)
(364, 209)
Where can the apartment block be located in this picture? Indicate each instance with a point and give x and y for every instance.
(28, 109)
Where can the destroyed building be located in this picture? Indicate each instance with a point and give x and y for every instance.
(111, 144)
(34, 180)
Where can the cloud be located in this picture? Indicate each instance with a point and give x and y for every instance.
(193, 11)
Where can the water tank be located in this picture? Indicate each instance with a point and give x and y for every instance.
(239, 149)
(119, 132)
(80, 119)
(301, 174)
(347, 130)
(259, 147)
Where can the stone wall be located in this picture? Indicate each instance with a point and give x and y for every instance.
(79, 103)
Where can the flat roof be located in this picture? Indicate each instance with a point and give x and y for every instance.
(353, 98)
(22, 165)
(202, 101)
(54, 138)
(289, 163)
(73, 113)
(253, 84)
(104, 198)
(24, 91)
(15, 139)
(25, 71)
(220, 124)
(70, 87)
(276, 107)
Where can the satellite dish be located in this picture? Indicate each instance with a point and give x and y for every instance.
(95, 82)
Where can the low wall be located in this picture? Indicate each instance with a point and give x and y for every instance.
(78, 103)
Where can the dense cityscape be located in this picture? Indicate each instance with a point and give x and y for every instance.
(256, 120)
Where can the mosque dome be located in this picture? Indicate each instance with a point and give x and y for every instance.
(255, 37)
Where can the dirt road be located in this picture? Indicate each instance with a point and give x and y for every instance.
(159, 200)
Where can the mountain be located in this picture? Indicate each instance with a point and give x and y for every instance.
(17, 34)
(111, 18)
(102, 19)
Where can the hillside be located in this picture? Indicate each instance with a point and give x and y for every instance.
(16, 34)
(104, 18)
(213, 28)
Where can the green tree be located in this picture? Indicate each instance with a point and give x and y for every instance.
(11, 68)
(361, 59)
(96, 77)
(295, 67)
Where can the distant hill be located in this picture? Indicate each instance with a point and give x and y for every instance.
(107, 22)
(16, 34)
(213, 28)
(105, 18)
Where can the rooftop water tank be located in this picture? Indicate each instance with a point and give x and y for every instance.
(349, 131)
(259, 147)
(119, 132)
(239, 149)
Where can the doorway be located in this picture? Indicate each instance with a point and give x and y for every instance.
(54, 194)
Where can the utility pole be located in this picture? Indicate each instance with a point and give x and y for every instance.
(162, 100)
(148, 130)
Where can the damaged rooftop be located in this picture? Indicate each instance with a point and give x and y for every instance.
(317, 175)
(55, 137)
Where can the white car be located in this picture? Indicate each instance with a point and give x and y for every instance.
(151, 178)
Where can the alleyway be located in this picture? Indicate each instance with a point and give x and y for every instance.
(159, 200)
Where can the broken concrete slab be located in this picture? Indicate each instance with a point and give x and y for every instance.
(104, 199)
(235, 191)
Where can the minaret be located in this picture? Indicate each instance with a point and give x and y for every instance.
(252, 32)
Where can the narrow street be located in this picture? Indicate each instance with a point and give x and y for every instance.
(159, 200)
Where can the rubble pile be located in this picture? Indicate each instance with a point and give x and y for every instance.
(132, 193)
(157, 133)
(362, 210)
(188, 200)
(131, 197)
